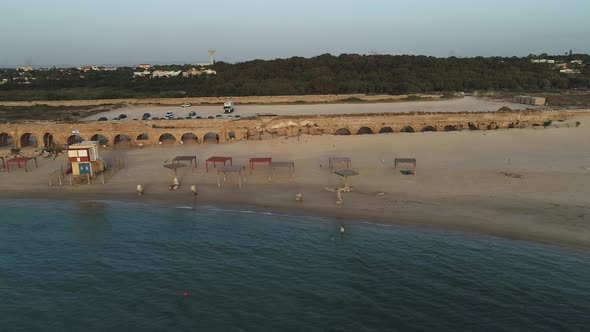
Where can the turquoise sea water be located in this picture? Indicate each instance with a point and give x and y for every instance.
(67, 266)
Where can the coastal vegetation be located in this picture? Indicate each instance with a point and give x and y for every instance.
(324, 74)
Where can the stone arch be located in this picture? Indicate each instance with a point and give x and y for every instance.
(143, 137)
(385, 130)
(28, 139)
(472, 126)
(48, 140)
(102, 140)
(189, 138)
(6, 140)
(450, 128)
(407, 129)
(73, 139)
(122, 139)
(364, 131)
(342, 131)
(428, 128)
(211, 137)
(493, 126)
(167, 138)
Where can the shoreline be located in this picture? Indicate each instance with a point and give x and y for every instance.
(460, 217)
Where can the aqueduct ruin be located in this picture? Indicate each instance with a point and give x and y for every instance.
(197, 131)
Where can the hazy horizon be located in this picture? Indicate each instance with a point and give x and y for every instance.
(64, 33)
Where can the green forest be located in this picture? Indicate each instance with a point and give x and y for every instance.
(324, 74)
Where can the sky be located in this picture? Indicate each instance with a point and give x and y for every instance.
(127, 32)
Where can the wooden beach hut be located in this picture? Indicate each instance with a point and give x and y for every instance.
(85, 159)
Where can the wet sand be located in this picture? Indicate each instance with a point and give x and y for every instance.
(460, 184)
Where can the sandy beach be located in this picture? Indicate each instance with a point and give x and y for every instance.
(461, 181)
(466, 104)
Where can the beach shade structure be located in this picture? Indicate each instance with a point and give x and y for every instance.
(19, 161)
(261, 160)
(224, 170)
(333, 160)
(346, 173)
(175, 166)
(397, 161)
(289, 165)
(216, 160)
(190, 159)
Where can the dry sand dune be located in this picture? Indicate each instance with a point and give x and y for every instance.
(459, 183)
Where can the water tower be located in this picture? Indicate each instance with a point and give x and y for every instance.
(211, 57)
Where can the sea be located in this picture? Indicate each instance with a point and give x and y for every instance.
(112, 266)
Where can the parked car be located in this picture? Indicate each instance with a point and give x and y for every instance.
(156, 118)
(189, 117)
(229, 107)
(169, 115)
(102, 118)
(122, 116)
(146, 116)
(116, 119)
(218, 116)
(210, 117)
(192, 113)
(186, 105)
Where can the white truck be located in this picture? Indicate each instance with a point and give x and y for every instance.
(229, 107)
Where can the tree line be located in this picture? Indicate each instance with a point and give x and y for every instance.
(324, 74)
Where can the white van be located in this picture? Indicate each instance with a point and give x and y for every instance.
(229, 107)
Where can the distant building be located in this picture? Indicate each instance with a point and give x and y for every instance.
(24, 68)
(561, 65)
(198, 72)
(144, 66)
(165, 73)
(528, 100)
(542, 61)
(202, 64)
(569, 71)
(107, 68)
(142, 73)
(577, 62)
(3, 81)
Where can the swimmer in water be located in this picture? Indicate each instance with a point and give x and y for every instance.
(341, 229)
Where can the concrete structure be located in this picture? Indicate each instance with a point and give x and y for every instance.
(198, 72)
(84, 158)
(569, 71)
(211, 57)
(528, 100)
(165, 73)
(193, 131)
(144, 66)
(142, 73)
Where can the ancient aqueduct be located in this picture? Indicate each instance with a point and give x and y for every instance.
(193, 131)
